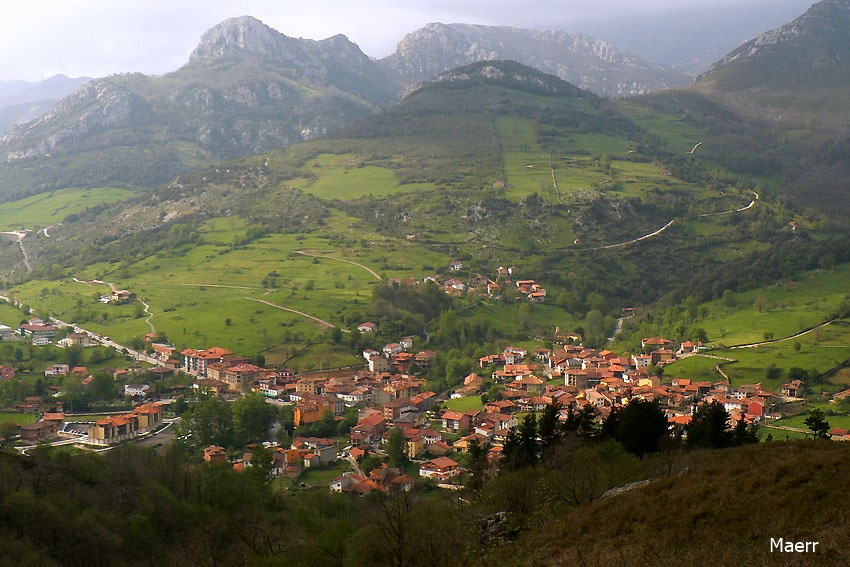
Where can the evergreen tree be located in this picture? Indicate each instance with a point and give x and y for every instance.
(817, 424)
(397, 448)
(743, 433)
(642, 424)
(708, 427)
(547, 426)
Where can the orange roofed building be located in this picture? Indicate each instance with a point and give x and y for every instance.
(119, 428)
(196, 361)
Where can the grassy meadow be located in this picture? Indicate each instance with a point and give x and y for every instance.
(45, 209)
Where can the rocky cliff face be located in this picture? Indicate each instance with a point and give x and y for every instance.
(98, 105)
(586, 62)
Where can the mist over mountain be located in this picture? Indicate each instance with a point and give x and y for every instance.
(809, 51)
(690, 39)
(22, 101)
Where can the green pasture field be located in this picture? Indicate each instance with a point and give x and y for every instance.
(345, 177)
(842, 421)
(594, 143)
(503, 316)
(752, 362)
(781, 434)
(48, 208)
(20, 418)
(10, 315)
(517, 134)
(787, 308)
(467, 403)
(323, 355)
(671, 128)
(822, 351)
(324, 475)
(700, 368)
(192, 295)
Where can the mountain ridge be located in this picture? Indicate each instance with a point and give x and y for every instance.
(588, 63)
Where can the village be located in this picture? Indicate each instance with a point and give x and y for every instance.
(388, 396)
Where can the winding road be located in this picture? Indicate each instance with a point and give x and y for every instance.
(289, 309)
(367, 268)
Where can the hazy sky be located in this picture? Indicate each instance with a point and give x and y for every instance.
(40, 38)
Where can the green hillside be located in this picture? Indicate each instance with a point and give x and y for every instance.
(516, 169)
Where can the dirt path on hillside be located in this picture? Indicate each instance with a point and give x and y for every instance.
(368, 269)
(307, 315)
(112, 286)
(20, 234)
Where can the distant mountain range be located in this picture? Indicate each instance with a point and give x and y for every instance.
(22, 101)
(247, 89)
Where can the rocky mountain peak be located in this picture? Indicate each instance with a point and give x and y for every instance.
(244, 34)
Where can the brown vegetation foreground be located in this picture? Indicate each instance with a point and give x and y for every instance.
(723, 511)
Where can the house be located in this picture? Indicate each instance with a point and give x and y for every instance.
(76, 339)
(57, 370)
(163, 352)
(121, 296)
(652, 343)
(792, 389)
(195, 361)
(441, 468)
(424, 359)
(136, 389)
(324, 451)
(392, 349)
(368, 430)
(455, 266)
(40, 334)
(40, 431)
(455, 420)
(367, 327)
(505, 407)
(239, 377)
(215, 454)
(119, 428)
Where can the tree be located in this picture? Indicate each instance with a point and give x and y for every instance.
(743, 433)
(817, 424)
(641, 426)
(708, 427)
(547, 426)
(8, 431)
(397, 448)
(479, 467)
(210, 423)
(252, 417)
(262, 466)
(520, 447)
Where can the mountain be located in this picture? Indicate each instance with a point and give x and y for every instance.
(774, 109)
(809, 51)
(22, 101)
(246, 89)
(584, 61)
